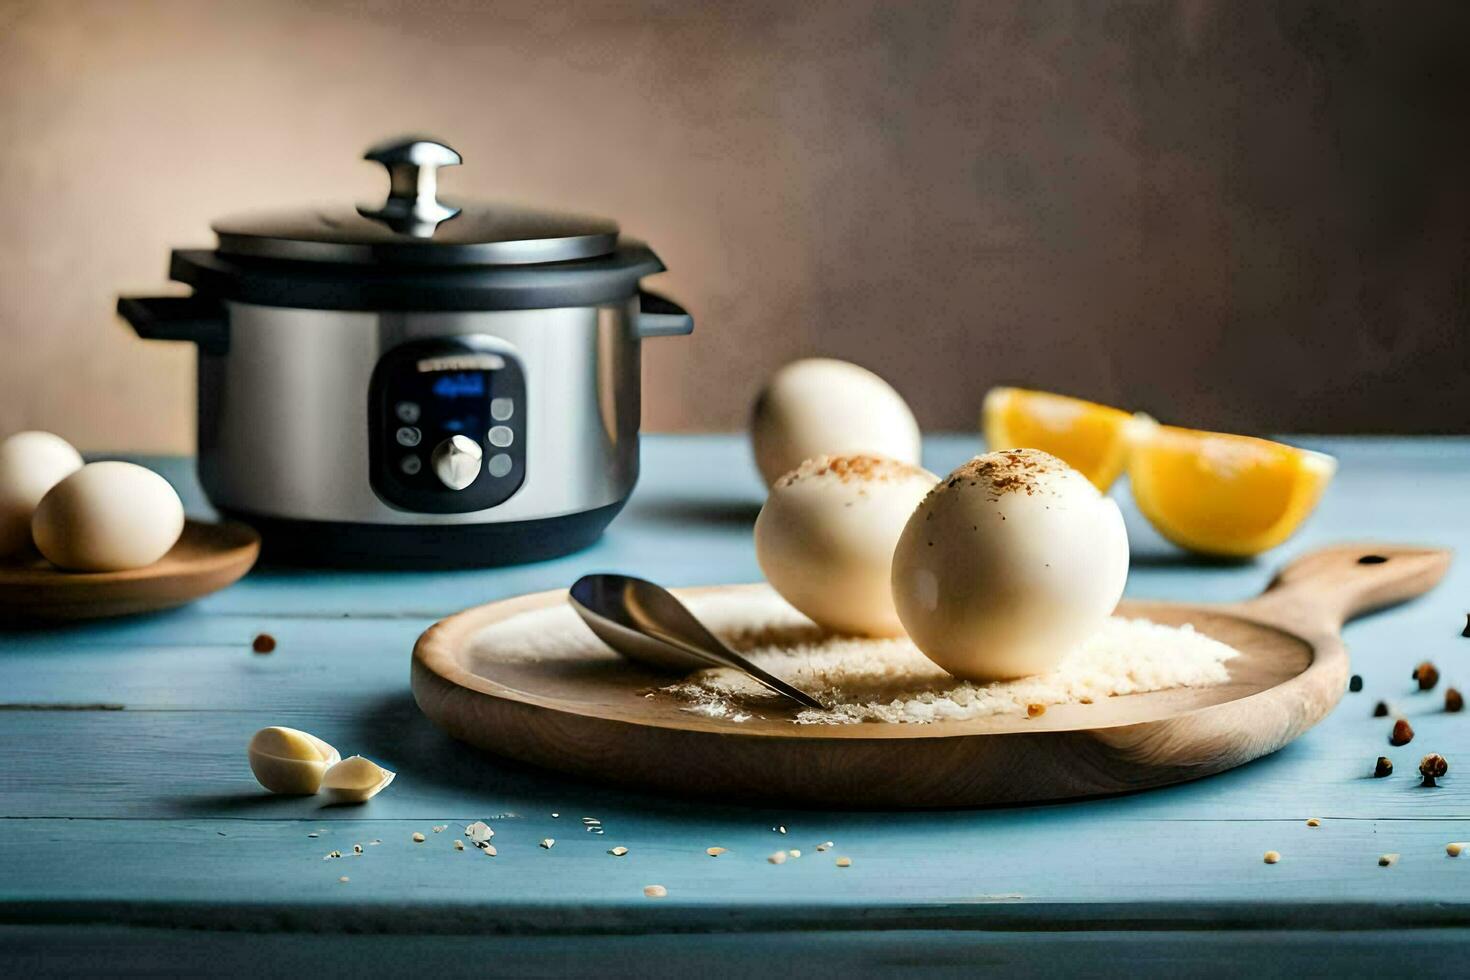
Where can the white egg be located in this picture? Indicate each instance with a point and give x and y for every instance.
(108, 517)
(1009, 564)
(30, 464)
(821, 406)
(825, 538)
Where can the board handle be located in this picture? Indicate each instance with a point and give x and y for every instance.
(1330, 586)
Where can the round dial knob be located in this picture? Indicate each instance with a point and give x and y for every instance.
(456, 462)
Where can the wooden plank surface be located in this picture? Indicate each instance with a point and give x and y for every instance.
(44, 951)
(125, 789)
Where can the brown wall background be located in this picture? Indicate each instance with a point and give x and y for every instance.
(1243, 215)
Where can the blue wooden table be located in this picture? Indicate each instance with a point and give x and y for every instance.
(135, 838)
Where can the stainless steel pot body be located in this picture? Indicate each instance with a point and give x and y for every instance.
(284, 413)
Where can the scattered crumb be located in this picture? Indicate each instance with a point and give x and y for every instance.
(844, 862)
(548, 842)
(487, 849)
(1272, 857)
(418, 838)
(356, 848)
(779, 830)
(263, 643)
(344, 879)
(1035, 710)
(655, 891)
(714, 852)
(824, 846)
(556, 816)
(374, 841)
(618, 852)
(1455, 848)
(1313, 822)
(778, 858)
(440, 828)
(479, 832)
(794, 853)
(1432, 767)
(313, 835)
(1387, 860)
(459, 845)
(332, 854)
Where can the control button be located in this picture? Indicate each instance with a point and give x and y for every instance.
(408, 436)
(407, 412)
(411, 464)
(457, 462)
(502, 408)
(501, 436)
(499, 465)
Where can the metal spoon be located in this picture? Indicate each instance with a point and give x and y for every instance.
(646, 624)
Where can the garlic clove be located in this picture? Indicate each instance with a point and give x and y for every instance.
(289, 761)
(355, 780)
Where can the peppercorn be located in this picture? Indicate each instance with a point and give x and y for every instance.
(1383, 767)
(1355, 683)
(264, 643)
(1035, 710)
(1466, 630)
(1402, 734)
(1453, 700)
(1427, 675)
(1380, 710)
(1431, 767)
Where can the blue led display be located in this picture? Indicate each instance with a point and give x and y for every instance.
(462, 384)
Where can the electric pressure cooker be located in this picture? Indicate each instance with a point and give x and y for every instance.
(418, 382)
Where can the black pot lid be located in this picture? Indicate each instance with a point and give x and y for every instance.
(413, 227)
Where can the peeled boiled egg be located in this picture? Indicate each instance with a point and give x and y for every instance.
(108, 517)
(30, 464)
(1012, 561)
(822, 406)
(826, 534)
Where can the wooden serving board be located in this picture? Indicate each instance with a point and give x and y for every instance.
(591, 715)
(206, 558)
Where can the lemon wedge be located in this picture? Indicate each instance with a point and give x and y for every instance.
(1089, 437)
(1220, 494)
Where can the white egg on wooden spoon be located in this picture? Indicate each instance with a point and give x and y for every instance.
(108, 517)
(30, 464)
(825, 538)
(820, 406)
(1008, 565)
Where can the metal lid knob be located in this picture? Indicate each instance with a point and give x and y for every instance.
(412, 206)
(456, 462)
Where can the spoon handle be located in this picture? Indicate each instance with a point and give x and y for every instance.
(723, 656)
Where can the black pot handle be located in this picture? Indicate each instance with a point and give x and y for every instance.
(197, 319)
(659, 316)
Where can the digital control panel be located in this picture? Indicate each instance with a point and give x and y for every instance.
(447, 425)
